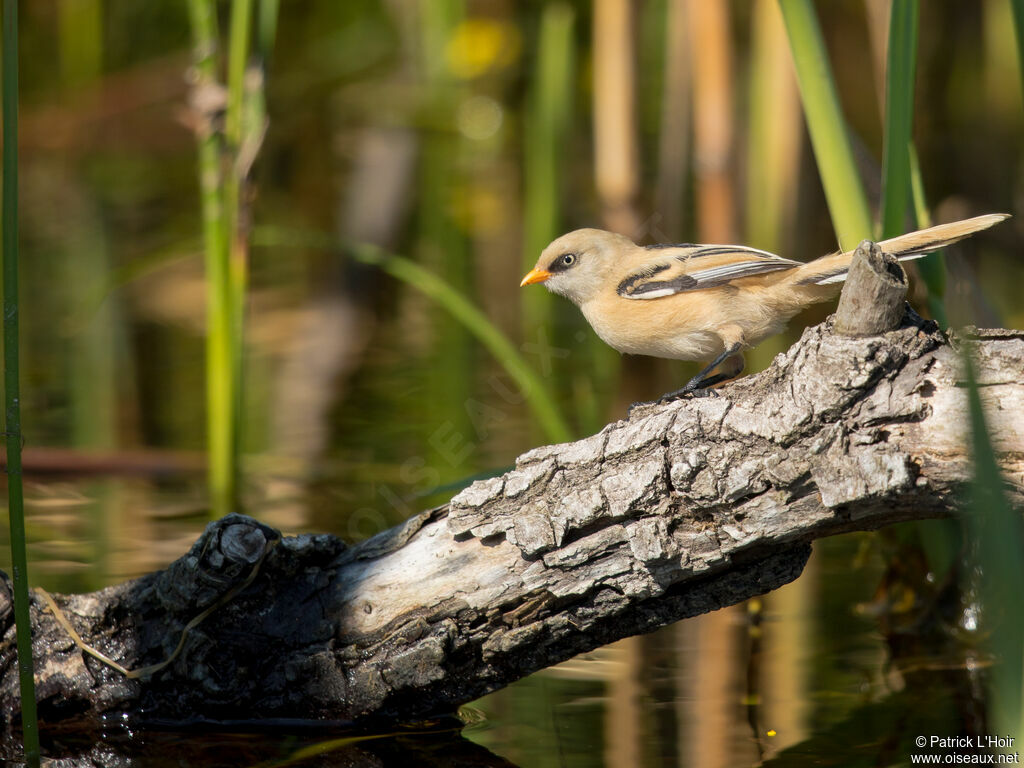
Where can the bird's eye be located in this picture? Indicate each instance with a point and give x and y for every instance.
(567, 259)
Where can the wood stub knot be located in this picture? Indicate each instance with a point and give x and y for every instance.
(872, 301)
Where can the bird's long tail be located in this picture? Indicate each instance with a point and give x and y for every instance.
(833, 268)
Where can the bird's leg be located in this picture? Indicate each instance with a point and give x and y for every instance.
(700, 385)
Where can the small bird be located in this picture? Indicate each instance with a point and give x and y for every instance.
(703, 302)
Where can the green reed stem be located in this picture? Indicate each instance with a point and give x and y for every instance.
(931, 268)
(899, 110)
(844, 192)
(547, 119)
(220, 388)
(266, 27)
(1017, 7)
(237, 255)
(12, 395)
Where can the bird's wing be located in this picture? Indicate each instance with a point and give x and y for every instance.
(677, 269)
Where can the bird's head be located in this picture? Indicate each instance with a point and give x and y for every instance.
(576, 265)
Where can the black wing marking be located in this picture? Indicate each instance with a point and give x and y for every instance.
(681, 277)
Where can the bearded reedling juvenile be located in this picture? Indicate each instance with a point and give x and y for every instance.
(704, 302)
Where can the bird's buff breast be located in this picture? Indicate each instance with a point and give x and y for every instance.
(636, 330)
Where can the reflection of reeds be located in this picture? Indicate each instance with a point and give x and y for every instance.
(97, 360)
(12, 396)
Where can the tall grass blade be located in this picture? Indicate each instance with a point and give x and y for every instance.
(12, 394)
(844, 192)
(899, 110)
(998, 531)
(901, 171)
(540, 401)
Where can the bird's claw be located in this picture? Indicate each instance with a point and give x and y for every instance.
(671, 397)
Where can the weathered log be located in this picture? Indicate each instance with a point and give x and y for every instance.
(678, 510)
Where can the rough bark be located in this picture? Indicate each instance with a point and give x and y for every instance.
(872, 299)
(678, 510)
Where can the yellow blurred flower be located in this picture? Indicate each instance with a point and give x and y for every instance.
(478, 46)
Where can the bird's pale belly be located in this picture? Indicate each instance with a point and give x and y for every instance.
(663, 340)
(681, 329)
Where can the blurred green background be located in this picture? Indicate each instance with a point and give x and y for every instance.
(462, 137)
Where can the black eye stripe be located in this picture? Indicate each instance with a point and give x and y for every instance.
(563, 262)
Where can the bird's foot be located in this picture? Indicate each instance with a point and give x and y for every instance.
(698, 391)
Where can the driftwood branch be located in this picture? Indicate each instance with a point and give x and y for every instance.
(678, 510)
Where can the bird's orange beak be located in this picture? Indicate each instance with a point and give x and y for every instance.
(537, 275)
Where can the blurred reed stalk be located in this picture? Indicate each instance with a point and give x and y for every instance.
(847, 202)
(901, 171)
(616, 154)
(900, 71)
(100, 369)
(1017, 6)
(549, 107)
(12, 395)
(226, 153)
(714, 125)
(773, 133)
(901, 179)
(674, 132)
(616, 181)
(548, 110)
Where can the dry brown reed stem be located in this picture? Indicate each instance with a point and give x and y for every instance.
(616, 156)
(774, 133)
(713, 88)
(674, 131)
